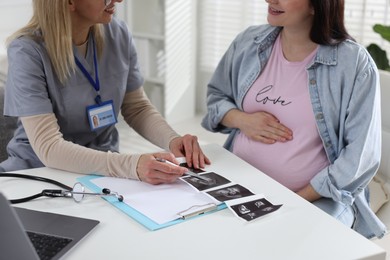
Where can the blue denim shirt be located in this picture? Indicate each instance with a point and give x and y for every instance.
(343, 82)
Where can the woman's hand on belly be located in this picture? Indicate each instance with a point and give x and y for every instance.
(259, 126)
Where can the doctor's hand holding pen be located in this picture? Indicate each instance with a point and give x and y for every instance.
(161, 168)
(154, 169)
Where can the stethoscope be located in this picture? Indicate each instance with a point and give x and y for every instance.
(77, 192)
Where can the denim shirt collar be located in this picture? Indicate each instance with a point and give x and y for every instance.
(326, 55)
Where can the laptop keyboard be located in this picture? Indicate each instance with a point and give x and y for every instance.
(47, 246)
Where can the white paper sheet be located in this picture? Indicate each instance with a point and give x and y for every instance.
(161, 203)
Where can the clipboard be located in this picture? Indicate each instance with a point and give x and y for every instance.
(192, 211)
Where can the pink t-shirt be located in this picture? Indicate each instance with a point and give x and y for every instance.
(282, 90)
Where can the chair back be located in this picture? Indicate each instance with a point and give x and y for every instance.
(384, 170)
(7, 126)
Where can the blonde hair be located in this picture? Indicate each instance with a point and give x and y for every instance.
(52, 19)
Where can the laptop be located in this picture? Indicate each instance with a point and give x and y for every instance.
(31, 234)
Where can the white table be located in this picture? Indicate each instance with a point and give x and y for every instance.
(296, 231)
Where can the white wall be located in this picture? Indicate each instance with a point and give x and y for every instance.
(168, 27)
(14, 14)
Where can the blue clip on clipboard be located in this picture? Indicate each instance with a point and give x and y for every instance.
(136, 215)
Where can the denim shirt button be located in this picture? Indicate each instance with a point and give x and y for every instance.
(319, 116)
(313, 81)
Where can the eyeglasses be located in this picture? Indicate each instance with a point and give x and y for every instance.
(107, 2)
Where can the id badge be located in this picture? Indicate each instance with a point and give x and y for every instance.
(101, 115)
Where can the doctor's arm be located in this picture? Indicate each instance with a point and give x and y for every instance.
(143, 117)
(55, 152)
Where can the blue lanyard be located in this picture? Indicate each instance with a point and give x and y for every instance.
(95, 83)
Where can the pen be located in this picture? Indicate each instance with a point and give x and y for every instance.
(210, 207)
(186, 173)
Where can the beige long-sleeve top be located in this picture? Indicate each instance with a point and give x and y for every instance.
(48, 143)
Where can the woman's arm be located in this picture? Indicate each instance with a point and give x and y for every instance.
(309, 194)
(144, 118)
(355, 148)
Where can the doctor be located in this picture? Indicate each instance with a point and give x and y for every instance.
(73, 61)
